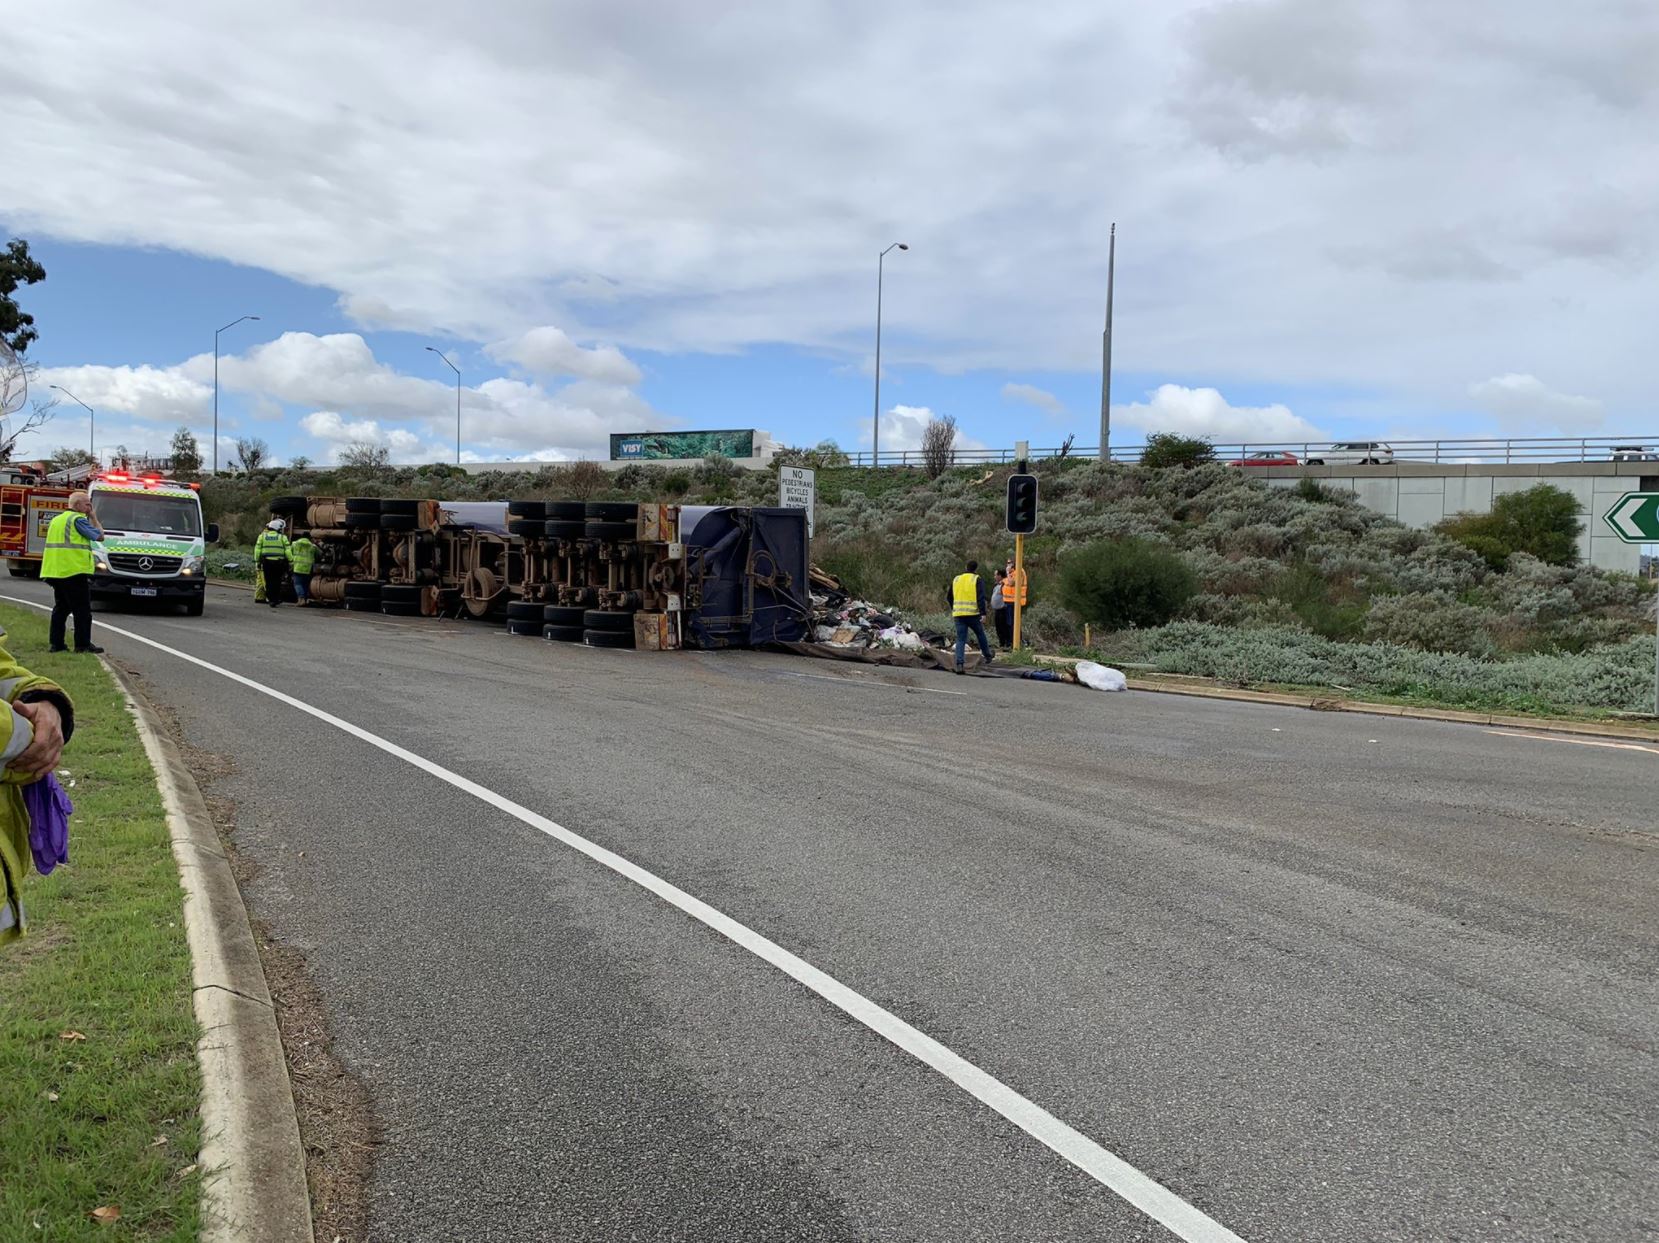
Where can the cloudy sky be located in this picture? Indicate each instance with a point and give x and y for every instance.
(1398, 217)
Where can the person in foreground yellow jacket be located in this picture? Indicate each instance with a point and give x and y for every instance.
(39, 721)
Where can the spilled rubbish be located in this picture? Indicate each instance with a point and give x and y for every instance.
(848, 628)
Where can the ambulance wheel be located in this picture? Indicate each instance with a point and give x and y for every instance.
(193, 608)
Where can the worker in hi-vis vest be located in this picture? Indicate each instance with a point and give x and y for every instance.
(302, 560)
(67, 564)
(270, 555)
(967, 607)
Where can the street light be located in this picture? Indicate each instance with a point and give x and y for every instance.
(91, 418)
(875, 434)
(457, 372)
(232, 324)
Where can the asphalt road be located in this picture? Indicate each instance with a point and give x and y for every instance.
(1326, 977)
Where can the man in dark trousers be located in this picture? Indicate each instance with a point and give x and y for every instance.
(967, 607)
(270, 554)
(66, 563)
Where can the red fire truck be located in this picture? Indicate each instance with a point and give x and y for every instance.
(28, 503)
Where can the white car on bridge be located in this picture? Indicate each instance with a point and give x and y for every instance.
(1355, 453)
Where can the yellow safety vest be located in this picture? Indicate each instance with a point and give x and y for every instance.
(67, 552)
(964, 595)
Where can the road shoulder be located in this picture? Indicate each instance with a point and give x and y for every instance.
(251, 1139)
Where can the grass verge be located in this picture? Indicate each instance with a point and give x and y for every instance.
(98, 1076)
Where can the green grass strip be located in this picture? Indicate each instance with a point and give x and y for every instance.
(106, 957)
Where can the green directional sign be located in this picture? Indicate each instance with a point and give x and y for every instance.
(1635, 517)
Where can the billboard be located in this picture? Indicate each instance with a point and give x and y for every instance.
(659, 446)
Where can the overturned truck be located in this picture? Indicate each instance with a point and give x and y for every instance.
(604, 573)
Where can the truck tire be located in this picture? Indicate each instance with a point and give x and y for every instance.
(608, 638)
(362, 589)
(362, 522)
(528, 528)
(362, 606)
(562, 634)
(564, 528)
(616, 532)
(611, 511)
(527, 509)
(400, 608)
(362, 505)
(290, 506)
(567, 511)
(400, 593)
(606, 620)
(525, 611)
(398, 522)
(563, 616)
(525, 628)
(399, 505)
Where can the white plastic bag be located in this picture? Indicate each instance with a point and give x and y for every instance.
(1101, 677)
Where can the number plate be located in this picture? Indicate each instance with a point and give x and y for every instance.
(143, 591)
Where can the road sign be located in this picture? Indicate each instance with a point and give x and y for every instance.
(1022, 504)
(1635, 517)
(798, 489)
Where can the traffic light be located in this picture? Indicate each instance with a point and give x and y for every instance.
(1022, 504)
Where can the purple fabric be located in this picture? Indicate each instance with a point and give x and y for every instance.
(49, 812)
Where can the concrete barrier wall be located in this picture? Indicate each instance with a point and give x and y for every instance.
(1422, 494)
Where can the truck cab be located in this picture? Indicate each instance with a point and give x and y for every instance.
(155, 542)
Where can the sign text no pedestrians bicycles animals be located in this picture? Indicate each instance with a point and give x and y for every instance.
(1635, 517)
(797, 489)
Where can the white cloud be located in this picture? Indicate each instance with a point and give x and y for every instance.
(1205, 412)
(902, 428)
(336, 392)
(1305, 187)
(1031, 395)
(550, 351)
(1523, 403)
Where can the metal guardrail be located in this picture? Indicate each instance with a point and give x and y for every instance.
(1442, 452)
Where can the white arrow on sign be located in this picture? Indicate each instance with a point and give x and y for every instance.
(1635, 517)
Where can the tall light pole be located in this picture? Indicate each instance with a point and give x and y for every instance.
(91, 418)
(1106, 353)
(457, 372)
(875, 432)
(232, 324)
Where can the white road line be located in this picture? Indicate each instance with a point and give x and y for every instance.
(1105, 1167)
(1577, 742)
(823, 677)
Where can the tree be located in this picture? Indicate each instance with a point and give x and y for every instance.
(187, 452)
(65, 458)
(40, 414)
(365, 455)
(299, 462)
(17, 267)
(1120, 584)
(939, 445)
(1165, 449)
(252, 452)
(1542, 521)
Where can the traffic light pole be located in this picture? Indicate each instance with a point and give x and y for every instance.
(1019, 578)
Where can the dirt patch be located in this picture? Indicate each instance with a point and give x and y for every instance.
(337, 1121)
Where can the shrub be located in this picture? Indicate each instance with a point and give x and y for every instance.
(1430, 623)
(1311, 490)
(1542, 521)
(1119, 584)
(1044, 624)
(581, 480)
(1166, 449)
(676, 483)
(939, 445)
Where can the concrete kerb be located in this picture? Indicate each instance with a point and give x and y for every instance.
(1199, 690)
(256, 1190)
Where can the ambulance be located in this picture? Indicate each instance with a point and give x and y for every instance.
(155, 542)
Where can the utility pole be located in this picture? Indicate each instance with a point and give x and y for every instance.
(230, 325)
(457, 372)
(875, 423)
(1106, 352)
